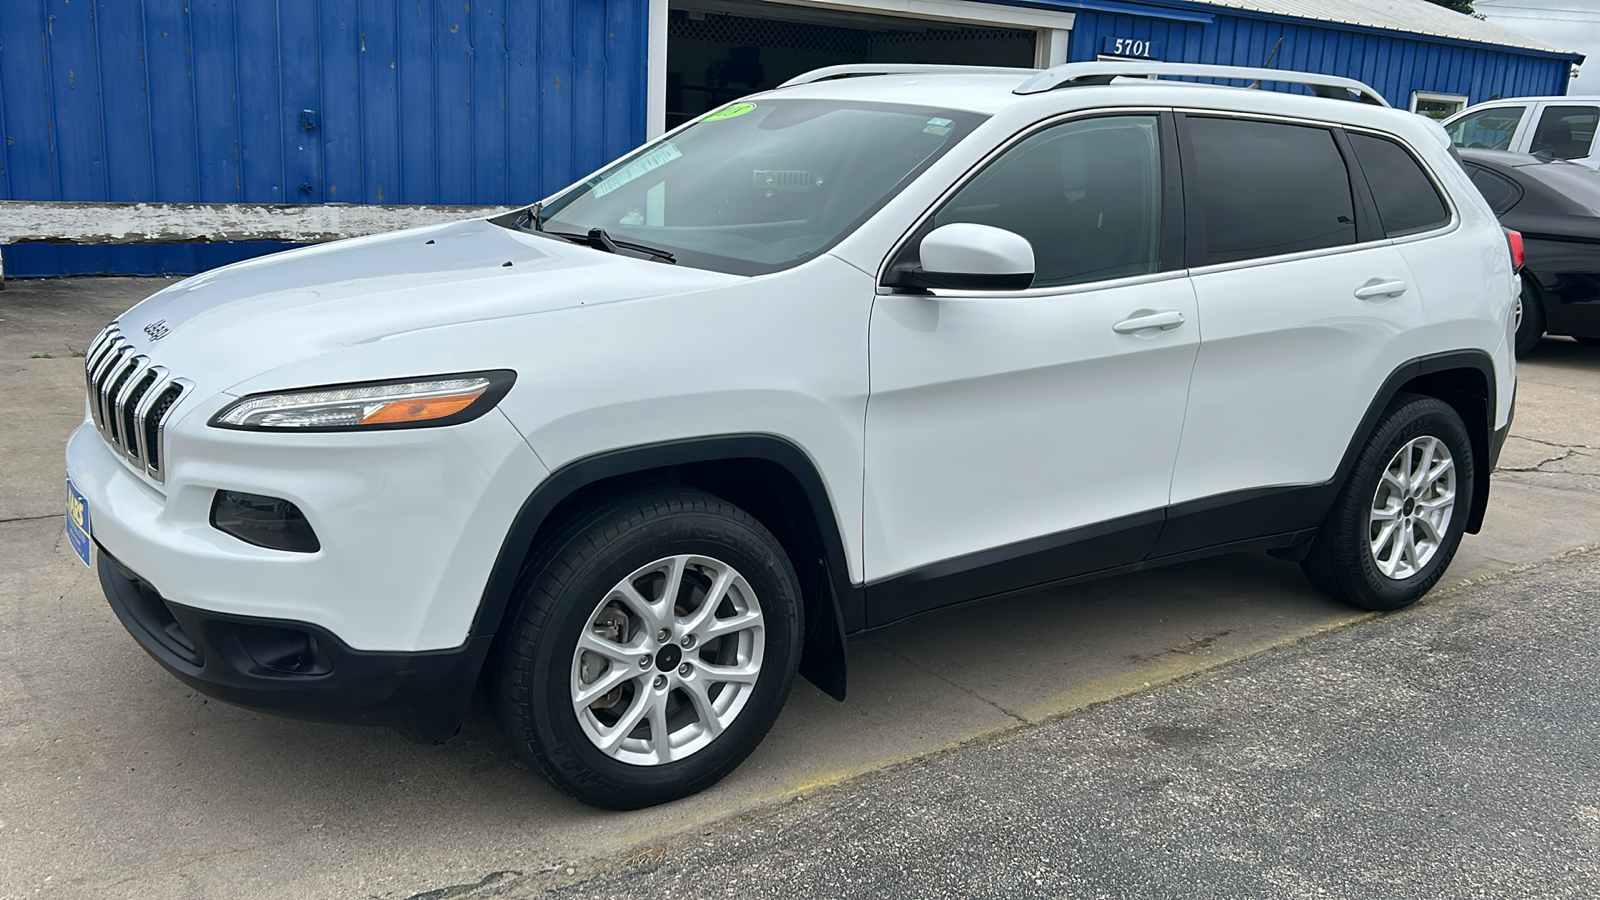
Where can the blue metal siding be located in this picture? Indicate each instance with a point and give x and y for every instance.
(446, 101)
(409, 101)
(1394, 65)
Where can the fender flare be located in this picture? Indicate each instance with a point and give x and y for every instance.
(1483, 448)
(823, 658)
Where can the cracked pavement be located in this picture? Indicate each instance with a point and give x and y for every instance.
(117, 781)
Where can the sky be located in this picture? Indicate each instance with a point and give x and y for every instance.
(1568, 24)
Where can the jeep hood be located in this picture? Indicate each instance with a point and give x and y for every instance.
(249, 318)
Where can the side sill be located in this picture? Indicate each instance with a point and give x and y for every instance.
(1275, 542)
(1015, 567)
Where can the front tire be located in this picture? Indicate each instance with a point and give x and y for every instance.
(1398, 519)
(654, 644)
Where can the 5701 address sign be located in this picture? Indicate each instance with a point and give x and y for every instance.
(1135, 48)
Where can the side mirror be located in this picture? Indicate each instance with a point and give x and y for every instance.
(967, 256)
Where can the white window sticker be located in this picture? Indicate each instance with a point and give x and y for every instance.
(655, 159)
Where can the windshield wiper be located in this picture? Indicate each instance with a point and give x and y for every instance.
(600, 240)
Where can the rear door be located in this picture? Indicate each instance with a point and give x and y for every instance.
(1302, 300)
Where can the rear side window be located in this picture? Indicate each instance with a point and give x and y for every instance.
(1566, 131)
(1268, 189)
(1407, 201)
(1501, 192)
(1489, 129)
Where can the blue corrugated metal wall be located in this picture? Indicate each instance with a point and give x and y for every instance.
(1395, 66)
(409, 101)
(449, 101)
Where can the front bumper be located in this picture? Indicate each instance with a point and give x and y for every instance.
(409, 524)
(294, 668)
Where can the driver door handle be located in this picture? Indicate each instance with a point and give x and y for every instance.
(1376, 288)
(1166, 320)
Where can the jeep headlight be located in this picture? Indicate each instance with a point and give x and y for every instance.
(403, 403)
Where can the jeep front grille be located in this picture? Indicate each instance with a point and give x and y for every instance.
(130, 398)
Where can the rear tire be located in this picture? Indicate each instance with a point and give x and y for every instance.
(1398, 520)
(654, 642)
(1530, 318)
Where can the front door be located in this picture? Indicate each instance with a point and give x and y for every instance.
(1018, 437)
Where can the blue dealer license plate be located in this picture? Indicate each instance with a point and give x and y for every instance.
(78, 522)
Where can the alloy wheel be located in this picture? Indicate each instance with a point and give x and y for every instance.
(1411, 508)
(667, 660)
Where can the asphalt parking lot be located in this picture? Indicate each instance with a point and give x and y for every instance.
(116, 780)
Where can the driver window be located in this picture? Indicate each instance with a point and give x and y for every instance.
(1086, 195)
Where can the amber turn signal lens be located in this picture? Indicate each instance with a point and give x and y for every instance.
(420, 410)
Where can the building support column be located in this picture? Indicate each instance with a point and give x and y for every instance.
(1050, 47)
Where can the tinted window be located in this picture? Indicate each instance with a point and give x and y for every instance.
(1489, 129)
(1407, 201)
(1267, 189)
(1086, 195)
(1501, 192)
(1566, 131)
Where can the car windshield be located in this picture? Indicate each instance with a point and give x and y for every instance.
(760, 186)
(1577, 184)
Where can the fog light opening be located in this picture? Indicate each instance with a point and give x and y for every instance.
(270, 522)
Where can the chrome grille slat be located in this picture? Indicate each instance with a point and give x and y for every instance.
(119, 373)
(158, 383)
(131, 399)
(97, 397)
(126, 396)
(178, 389)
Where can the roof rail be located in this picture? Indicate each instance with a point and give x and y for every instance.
(857, 69)
(1090, 73)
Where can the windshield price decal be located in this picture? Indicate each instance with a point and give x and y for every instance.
(728, 112)
(655, 159)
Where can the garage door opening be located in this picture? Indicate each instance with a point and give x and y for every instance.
(720, 51)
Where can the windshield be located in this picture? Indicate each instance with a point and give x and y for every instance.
(1579, 185)
(760, 186)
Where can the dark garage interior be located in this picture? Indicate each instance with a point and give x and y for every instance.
(720, 51)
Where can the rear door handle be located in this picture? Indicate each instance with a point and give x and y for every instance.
(1377, 288)
(1166, 320)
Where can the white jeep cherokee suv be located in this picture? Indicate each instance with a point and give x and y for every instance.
(837, 354)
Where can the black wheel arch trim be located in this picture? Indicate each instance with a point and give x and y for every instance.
(1482, 434)
(823, 659)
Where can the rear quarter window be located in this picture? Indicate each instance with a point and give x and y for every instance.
(1406, 198)
(1501, 192)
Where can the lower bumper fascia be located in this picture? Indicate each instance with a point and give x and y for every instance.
(297, 669)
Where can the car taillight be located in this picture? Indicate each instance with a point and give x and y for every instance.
(1514, 238)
